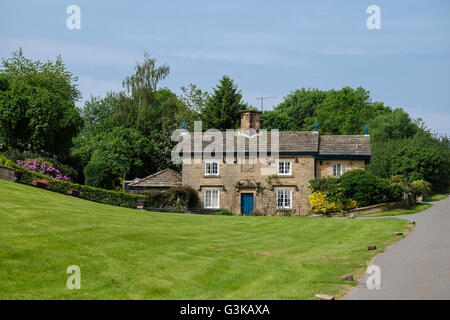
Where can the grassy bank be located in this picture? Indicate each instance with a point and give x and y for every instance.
(130, 254)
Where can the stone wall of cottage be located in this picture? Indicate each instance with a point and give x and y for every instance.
(249, 175)
(324, 168)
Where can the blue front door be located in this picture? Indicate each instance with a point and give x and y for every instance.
(246, 203)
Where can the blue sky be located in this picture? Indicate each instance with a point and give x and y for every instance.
(269, 48)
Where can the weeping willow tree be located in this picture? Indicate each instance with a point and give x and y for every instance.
(141, 86)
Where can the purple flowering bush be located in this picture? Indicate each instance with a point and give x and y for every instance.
(42, 167)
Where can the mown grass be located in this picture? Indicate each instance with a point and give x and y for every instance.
(397, 212)
(131, 254)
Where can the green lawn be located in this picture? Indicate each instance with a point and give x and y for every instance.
(398, 212)
(131, 254)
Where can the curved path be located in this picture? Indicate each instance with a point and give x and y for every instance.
(418, 266)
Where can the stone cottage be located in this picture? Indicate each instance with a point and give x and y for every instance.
(302, 156)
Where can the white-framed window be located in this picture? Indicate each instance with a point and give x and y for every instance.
(339, 169)
(284, 199)
(284, 168)
(211, 168)
(211, 199)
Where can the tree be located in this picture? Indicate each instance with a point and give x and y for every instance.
(395, 125)
(343, 111)
(222, 107)
(346, 111)
(122, 148)
(297, 106)
(37, 105)
(100, 175)
(96, 114)
(194, 98)
(142, 84)
(422, 158)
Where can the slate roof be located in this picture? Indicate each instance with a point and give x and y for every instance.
(356, 145)
(289, 141)
(163, 179)
(310, 142)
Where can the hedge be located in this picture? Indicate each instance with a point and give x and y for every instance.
(114, 198)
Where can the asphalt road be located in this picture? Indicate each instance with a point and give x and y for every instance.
(418, 266)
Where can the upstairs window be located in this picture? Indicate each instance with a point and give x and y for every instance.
(211, 199)
(339, 169)
(284, 168)
(211, 168)
(284, 199)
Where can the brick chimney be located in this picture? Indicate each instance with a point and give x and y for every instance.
(250, 119)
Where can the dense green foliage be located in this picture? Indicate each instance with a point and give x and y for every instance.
(37, 106)
(342, 111)
(132, 254)
(421, 157)
(100, 175)
(368, 189)
(291, 114)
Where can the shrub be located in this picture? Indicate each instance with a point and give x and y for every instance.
(321, 204)
(257, 213)
(182, 197)
(100, 175)
(285, 212)
(368, 189)
(318, 202)
(2, 160)
(331, 186)
(224, 212)
(9, 163)
(65, 170)
(420, 187)
(324, 184)
(43, 167)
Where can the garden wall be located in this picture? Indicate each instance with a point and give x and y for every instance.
(377, 208)
(7, 173)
